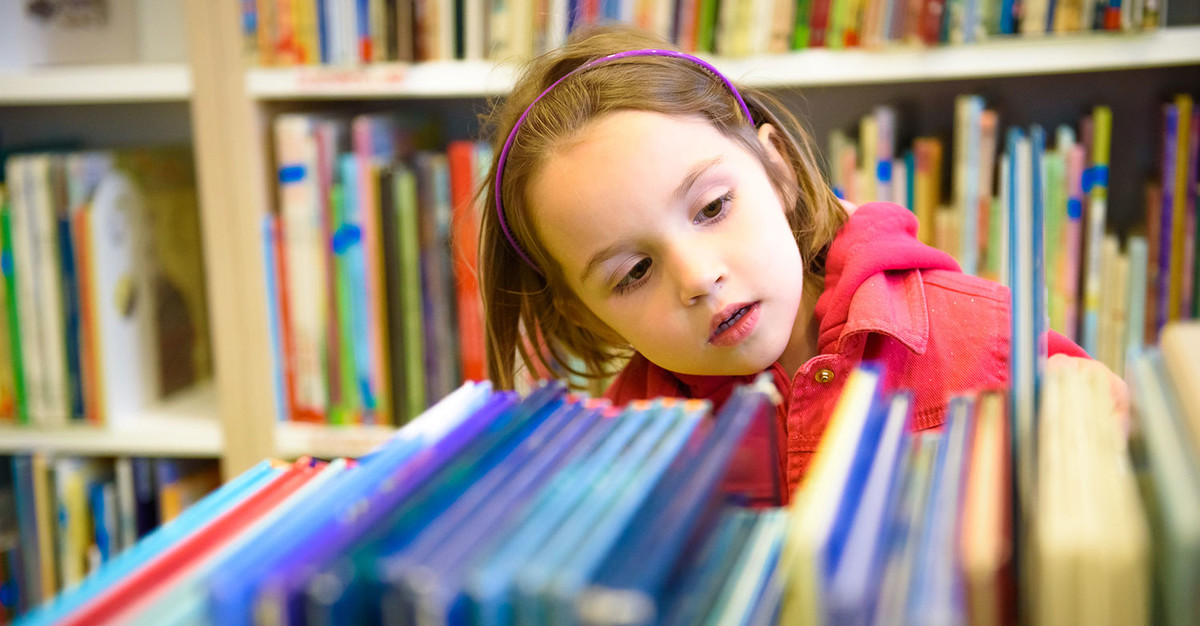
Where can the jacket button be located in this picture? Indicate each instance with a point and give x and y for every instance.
(824, 376)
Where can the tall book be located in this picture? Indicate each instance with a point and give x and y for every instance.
(464, 158)
(304, 279)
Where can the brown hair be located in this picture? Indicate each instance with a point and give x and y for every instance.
(535, 315)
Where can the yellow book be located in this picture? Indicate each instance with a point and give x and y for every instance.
(986, 534)
(43, 502)
(1089, 540)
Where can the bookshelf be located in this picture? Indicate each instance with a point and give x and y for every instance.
(105, 106)
(1044, 80)
(1087, 52)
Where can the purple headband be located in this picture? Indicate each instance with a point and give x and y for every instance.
(512, 134)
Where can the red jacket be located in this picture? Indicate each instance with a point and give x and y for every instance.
(889, 298)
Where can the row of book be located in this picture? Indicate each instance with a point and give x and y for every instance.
(347, 32)
(492, 508)
(373, 295)
(104, 306)
(1110, 292)
(63, 517)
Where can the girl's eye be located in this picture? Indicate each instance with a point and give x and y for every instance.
(634, 276)
(714, 210)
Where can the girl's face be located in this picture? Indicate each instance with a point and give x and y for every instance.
(673, 236)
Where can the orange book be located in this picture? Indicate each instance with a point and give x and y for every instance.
(89, 336)
(464, 237)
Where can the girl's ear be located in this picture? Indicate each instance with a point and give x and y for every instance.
(766, 137)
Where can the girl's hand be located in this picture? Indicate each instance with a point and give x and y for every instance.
(1117, 387)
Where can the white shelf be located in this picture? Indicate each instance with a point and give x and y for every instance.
(185, 424)
(1017, 56)
(1000, 57)
(82, 84)
(293, 440)
(441, 79)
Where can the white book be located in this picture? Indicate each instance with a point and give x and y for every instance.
(1135, 309)
(967, 146)
(304, 249)
(30, 323)
(122, 299)
(444, 22)
(886, 184)
(474, 24)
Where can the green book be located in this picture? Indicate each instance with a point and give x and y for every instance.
(10, 313)
(343, 411)
(802, 30)
(412, 332)
(706, 32)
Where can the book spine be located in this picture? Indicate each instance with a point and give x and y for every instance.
(344, 241)
(464, 235)
(303, 266)
(968, 110)
(69, 294)
(326, 134)
(408, 245)
(271, 244)
(1189, 297)
(1166, 228)
(356, 280)
(12, 319)
(1179, 222)
(1096, 188)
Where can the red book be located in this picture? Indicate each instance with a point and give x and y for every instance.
(464, 238)
(285, 320)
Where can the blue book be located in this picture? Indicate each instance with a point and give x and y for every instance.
(700, 587)
(429, 573)
(462, 481)
(580, 564)
(270, 235)
(232, 588)
(685, 504)
(856, 579)
(355, 265)
(936, 595)
(430, 480)
(490, 583)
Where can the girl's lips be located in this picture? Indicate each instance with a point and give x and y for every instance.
(733, 324)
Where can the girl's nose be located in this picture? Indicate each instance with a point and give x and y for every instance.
(699, 273)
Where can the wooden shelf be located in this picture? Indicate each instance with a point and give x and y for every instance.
(185, 425)
(293, 440)
(1087, 52)
(168, 82)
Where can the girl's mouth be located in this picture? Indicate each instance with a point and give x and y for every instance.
(733, 324)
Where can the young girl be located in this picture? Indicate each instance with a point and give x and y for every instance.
(645, 213)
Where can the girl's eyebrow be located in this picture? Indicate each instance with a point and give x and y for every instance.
(597, 260)
(678, 195)
(688, 181)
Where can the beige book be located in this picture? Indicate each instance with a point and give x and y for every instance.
(1179, 342)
